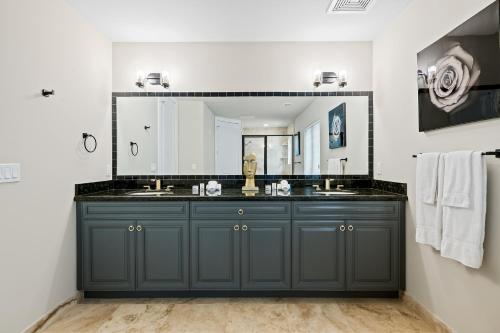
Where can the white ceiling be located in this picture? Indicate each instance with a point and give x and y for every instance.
(257, 111)
(233, 20)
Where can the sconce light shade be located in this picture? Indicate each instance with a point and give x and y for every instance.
(165, 83)
(141, 77)
(317, 78)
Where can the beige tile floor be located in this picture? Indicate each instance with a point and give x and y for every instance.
(241, 315)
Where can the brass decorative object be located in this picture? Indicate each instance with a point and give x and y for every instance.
(249, 170)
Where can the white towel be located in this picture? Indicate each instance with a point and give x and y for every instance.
(427, 176)
(457, 179)
(429, 190)
(463, 228)
(334, 166)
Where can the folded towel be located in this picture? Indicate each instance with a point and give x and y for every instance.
(429, 191)
(334, 166)
(427, 176)
(457, 179)
(463, 228)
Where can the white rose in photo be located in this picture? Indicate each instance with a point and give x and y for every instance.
(455, 73)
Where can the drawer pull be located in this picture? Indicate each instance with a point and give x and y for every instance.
(236, 227)
(139, 228)
(240, 211)
(342, 228)
(131, 228)
(244, 228)
(350, 228)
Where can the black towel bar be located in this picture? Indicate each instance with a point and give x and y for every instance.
(495, 153)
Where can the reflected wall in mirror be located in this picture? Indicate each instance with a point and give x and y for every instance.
(210, 135)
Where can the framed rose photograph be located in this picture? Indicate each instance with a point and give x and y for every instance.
(459, 75)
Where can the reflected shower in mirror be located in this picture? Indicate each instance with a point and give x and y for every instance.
(308, 135)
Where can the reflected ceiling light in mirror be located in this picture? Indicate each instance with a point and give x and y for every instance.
(330, 78)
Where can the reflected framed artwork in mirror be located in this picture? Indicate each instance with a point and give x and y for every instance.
(184, 134)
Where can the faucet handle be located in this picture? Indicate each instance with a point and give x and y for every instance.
(317, 187)
(147, 187)
(340, 187)
(169, 187)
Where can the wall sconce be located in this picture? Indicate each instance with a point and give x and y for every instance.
(330, 78)
(154, 79)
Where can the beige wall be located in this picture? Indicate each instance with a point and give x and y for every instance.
(466, 299)
(356, 150)
(242, 66)
(196, 138)
(45, 44)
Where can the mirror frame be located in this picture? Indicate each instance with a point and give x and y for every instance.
(369, 94)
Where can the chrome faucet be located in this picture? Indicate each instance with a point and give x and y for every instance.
(328, 183)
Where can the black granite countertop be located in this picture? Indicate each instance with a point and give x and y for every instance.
(232, 194)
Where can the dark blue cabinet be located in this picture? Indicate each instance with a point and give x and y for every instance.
(318, 255)
(108, 255)
(133, 246)
(352, 246)
(265, 255)
(215, 254)
(162, 255)
(372, 255)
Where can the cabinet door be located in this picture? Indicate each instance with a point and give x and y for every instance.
(265, 254)
(215, 255)
(372, 255)
(318, 255)
(108, 255)
(162, 254)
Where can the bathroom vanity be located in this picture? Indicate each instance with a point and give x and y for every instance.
(181, 244)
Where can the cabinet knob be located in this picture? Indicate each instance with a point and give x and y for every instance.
(350, 228)
(244, 228)
(240, 211)
(236, 227)
(131, 228)
(342, 228)
(139, 228)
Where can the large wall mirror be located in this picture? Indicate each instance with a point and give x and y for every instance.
(307, 135)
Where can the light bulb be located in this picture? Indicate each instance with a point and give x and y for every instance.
(164, 81)
(317, 78)
(140, 79)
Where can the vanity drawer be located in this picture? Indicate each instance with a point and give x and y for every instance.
(134, 210)
(243, 210)
(342, 210)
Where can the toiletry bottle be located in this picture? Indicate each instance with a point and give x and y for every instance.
(202, 189)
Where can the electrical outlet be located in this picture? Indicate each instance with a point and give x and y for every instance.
(108, 170)
(378, 168)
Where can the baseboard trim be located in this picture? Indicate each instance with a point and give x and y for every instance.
(77, 298)
(239, 293)
(426, 314)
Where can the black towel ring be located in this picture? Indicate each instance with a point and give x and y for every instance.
(132, 144)
(85, 137)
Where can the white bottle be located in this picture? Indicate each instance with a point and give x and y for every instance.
(202, 189)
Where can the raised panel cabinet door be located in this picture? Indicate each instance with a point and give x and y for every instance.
(372, 255)
(265, 255)
(162, 254)
(215, 255)
(108, 255)
(318, 255)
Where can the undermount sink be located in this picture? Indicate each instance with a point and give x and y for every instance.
(149, 193)
(335, 192)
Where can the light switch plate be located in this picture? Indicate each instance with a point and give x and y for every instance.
(10, 173)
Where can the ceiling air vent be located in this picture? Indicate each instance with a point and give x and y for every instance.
(349, 6)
